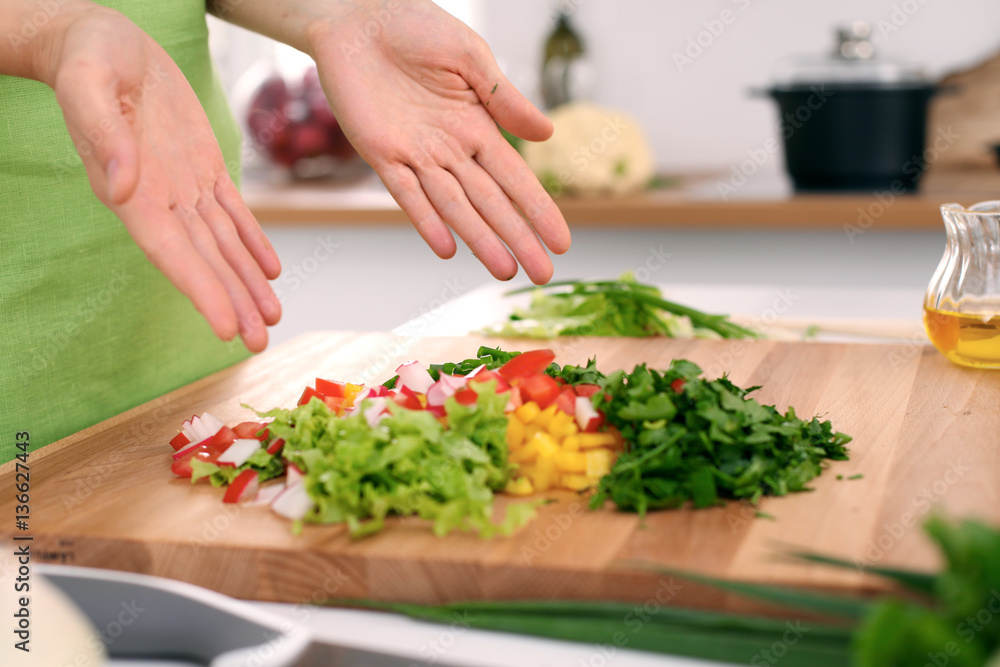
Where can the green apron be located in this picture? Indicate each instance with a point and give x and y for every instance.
(88, 327)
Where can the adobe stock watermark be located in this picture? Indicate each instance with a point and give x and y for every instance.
(585, 154)
(32, 25)
(900, 15)
(912, 169)
(372, 28)
(712, 30)
(771, 655)
(412, 330)
(634, 621)
(892, 532)
(781, 302)
(788, 125)
(434, 649)
(94, 136)
(50, 344)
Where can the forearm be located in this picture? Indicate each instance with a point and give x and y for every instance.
(30, 35)
(293, 22)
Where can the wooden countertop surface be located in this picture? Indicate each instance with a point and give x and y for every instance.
(694, 202)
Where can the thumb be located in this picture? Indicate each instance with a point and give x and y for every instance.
(509, 108)
(102, 134)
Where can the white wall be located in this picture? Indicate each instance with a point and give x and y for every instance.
(700, 116)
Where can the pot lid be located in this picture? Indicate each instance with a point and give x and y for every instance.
(853, 60)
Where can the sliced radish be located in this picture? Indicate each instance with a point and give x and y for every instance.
(243, 488)
(413, 375)
(266, 495)
(220, 439)
(293, 502)
(446, 386)
(238, 452)
(514, 402)
(276, 446)
(210, 423)
(293, 475)
(376, 408)
(476, 371)
(587, 416)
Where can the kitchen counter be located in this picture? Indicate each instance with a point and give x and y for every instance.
(766, 200)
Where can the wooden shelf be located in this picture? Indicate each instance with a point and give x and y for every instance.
(693, 203)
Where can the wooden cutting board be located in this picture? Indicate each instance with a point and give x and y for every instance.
(925, 435)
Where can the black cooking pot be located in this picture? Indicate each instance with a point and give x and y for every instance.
(854, 136)
(850, 120)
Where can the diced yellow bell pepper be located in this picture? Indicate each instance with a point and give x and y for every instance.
(576, 482)
(571, 461)
(515, 432)
(520, 487)
(527, 412)
(598, 462)
(526, 454)
(562, 425)
(591, 440)
(544, 418)
(546, 474)
(571, 443)
(547, 446)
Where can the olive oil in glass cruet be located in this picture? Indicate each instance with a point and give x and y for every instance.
(962, 304)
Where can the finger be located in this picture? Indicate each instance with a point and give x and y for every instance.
(239, 259)
(505, 165)
(247, 227)
(452, 204)
(167, 245)
(251, 325)
(496, 209)
(91, 103)
(405, 188)
(502, 100)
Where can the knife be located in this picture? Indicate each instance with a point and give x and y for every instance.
(143, 617)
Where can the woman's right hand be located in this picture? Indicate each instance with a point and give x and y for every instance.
(152, 158)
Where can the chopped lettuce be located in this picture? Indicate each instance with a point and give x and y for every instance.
(408, 464)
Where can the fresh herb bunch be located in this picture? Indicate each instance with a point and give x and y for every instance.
(621, 307)
(698, 440)
(407, 464)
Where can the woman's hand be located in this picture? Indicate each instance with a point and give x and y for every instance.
(152, 158)
(419, 95)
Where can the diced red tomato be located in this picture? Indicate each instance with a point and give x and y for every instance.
(586, 390)
(276, 446)
(560, 380)
(251, 430)
(179, 441)
(678, 385)
(539, 388)
(566, 401)
(307, 394)
(527, 363)
(243, 488)
(217, 443)
(330, 388)
(466, 396)
(436, 410)
(486, 376)
(334, 403)
(182, 466)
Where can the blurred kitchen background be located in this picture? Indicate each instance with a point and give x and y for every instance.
(684, 71)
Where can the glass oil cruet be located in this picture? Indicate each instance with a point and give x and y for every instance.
(962, 304)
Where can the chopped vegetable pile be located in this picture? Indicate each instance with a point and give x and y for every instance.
(701, 440)
(438, 442)
(621, 307)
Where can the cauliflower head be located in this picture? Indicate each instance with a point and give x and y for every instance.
(593, 151)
